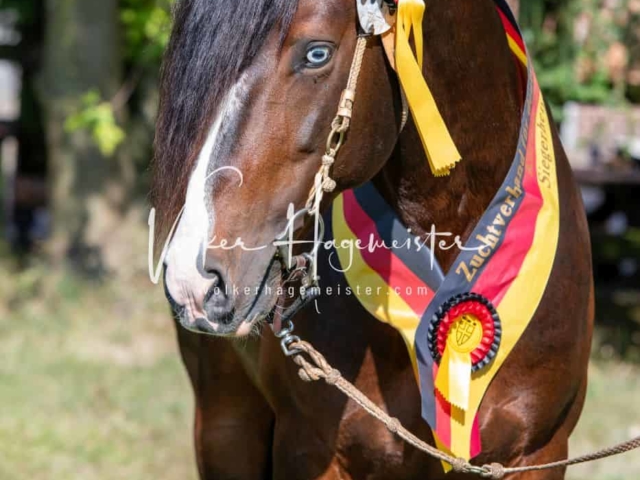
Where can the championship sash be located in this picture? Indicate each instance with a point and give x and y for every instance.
(460, 328)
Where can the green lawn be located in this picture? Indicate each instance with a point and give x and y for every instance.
(91, 387)
(611, 415)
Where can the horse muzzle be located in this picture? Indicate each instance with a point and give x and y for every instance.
(219, 307)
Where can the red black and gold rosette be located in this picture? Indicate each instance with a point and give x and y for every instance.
(464, 337)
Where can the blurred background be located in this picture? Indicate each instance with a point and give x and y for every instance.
(91, 385)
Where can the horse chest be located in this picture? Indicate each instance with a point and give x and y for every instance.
(361, 446)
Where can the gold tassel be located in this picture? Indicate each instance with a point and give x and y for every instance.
(436, 139)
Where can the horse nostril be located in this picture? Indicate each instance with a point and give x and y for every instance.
(215, 277)
(217, 286)
(219, 302)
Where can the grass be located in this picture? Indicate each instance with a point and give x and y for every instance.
(611, 415)
(91, 387)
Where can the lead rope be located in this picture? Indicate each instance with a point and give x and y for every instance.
(318, 368)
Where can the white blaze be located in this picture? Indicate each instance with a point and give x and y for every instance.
(185, 281)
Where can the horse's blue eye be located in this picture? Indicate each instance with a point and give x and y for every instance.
(318, 55)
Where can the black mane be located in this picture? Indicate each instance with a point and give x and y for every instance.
(212, 42)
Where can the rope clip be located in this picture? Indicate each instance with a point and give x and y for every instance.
(287, 339)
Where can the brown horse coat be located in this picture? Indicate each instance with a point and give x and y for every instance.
(254, 418)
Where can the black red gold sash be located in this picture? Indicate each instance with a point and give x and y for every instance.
(459, 329)
(393, 275)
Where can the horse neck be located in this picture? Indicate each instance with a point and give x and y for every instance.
(474, 79)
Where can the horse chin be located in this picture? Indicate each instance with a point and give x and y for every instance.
(263, 307)
(239, 327)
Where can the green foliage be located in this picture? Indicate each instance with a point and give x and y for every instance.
(26, 10)
(570, 42)
(97, 117)
(147, 28)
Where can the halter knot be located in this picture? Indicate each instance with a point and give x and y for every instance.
(329, 185)
(333, 377)
(494, 470)
(328, 160)
(460, 465)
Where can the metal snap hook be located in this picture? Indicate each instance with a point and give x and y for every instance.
(287, 338)
(286, 342)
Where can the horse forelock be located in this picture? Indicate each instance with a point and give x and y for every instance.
(212, 43)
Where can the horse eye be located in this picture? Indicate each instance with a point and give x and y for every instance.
(318, 55)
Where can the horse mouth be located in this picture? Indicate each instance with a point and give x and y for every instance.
(275, 316)
(246, 318)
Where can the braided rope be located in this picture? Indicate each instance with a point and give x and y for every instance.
(352, 83)
(354, 75)
(318, 368)
(341, 123)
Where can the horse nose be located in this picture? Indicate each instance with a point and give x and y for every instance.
(219, 301)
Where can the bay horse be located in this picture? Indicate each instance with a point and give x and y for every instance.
(249, 90)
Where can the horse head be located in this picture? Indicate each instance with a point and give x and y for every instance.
(248, 95)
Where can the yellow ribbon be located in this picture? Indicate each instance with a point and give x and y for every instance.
(453, 380)
(438, 145)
